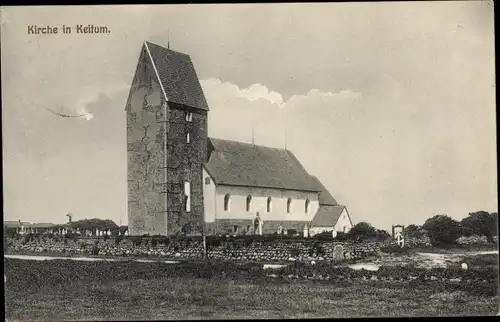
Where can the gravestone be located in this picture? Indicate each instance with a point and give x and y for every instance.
(338, 252)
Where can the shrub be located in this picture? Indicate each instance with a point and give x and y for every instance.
(137, 241)
(118, 239)
(326, 235)
(317, 250)
(480, 223)
(442, 229)
(362, 231)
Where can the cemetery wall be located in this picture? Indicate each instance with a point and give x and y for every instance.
(238, 250)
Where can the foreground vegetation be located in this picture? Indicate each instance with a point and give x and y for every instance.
(69, 290)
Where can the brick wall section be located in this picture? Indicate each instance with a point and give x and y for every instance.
(185, 165)
(146, 128)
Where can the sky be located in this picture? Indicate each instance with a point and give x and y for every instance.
(390, 105)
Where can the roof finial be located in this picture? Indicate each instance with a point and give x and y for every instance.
(285, 137)
(253, 130)
(253, 136)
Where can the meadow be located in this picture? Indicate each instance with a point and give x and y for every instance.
(127, 290)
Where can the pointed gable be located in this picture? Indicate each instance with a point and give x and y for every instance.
(177, 76)
(327, 216)
(325, 198)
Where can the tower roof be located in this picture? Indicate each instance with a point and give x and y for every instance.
(177, 76)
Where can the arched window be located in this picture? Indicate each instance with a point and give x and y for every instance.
(249, 203)
(289, 206)
(307, 206)
(226, 202)
(188, 139)
(269, 204)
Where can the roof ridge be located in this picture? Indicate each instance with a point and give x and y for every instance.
(250, 144)
(165, 48)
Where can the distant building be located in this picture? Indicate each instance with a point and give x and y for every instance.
(182, 182)
(28, 226)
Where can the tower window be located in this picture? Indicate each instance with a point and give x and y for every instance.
(307, 206)
(187, 196)
(226, 202)
(189, 116)
(289, 206)
(269, 204)
(249, 203)
(207, 180)
(188, 138)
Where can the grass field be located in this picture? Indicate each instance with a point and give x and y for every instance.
(69, 290)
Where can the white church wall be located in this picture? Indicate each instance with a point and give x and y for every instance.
(318, 230)
(279, 198)
(208, 197)
(343, 222)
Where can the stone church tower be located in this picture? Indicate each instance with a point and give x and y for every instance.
(166, 144)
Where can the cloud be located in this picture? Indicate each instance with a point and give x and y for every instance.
(227, 90)
(258, 91)
(381, 153)
(223, 92)
(91, 95)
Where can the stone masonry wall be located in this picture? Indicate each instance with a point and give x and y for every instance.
(259, 251)
(146, 128)
(184, 160)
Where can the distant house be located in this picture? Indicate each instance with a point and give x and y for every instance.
(15, 224)
(28, 226)
(330, 216)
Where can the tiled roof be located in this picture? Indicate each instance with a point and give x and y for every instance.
(15, 224)
(177, 76)
(42, 225)
(327, 216)
(325, 198)
(244, 164)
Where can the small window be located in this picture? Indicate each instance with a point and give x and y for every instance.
(187, 196)
(226, 202)
(187, 138)
(307, 206)
(269, 204)
(207, 180)
(289, 206)
(249, 203)
(189, 117)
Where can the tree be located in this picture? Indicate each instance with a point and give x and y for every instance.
(93, 224)
(442, 229)
(362, 231)
(383, 235)
(481, 223)
(414, 231)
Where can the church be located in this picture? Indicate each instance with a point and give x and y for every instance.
(181, 182)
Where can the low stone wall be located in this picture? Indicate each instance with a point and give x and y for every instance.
(475, 240)
(261, 251)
